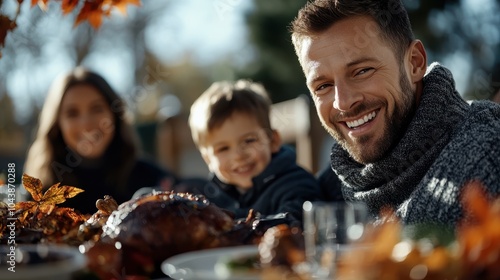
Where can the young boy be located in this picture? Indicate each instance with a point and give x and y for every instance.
(250, 169)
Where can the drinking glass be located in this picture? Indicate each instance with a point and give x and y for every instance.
(328, 229)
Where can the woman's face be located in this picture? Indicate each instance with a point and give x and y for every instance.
(86, 121)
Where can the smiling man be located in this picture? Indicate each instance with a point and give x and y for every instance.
(405, 138)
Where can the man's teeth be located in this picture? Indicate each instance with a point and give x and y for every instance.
(361, 121)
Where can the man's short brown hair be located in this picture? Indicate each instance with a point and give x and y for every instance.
(390, 15)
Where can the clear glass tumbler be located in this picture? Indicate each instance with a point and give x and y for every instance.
(329, 228)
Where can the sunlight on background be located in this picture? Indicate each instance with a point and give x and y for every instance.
(481, 21)
(162, 55)
(203, 30)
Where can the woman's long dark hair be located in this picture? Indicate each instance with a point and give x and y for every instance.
(51, 160)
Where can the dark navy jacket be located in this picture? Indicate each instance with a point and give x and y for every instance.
(330, 185)
(145, 173)
(281, 188)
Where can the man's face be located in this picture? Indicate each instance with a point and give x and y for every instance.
(361, 91)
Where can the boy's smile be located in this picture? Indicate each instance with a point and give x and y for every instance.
(239, 150)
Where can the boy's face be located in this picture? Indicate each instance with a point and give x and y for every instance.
(239, 150)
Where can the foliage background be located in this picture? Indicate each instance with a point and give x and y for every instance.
(160, 67)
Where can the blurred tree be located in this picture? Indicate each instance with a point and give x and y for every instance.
(92, 11)
(7, 118)
(43, 39)
(11, 134)
(275, 64)
(185, 79)
(464, 29)
(467, 30)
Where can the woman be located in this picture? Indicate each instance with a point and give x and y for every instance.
(85, 140)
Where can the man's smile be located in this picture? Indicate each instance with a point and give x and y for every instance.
(364, 119)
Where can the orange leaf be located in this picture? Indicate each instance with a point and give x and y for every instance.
(92, 12)
(45, 209)
(23, 216)
(41, 3)
(25, 205)
(70, 213)
(68, 6)
(475, 201)
(33, 186)
(58, 194)
(121, 5)
(83, 14)
(95, 19)
(6, 25)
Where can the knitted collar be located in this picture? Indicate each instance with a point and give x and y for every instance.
(391, 180)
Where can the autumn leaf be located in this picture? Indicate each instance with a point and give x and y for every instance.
(121, 5)
(23, 216)
(68, 6)
(58, 194)
(25, 205)
(41, 3)
(475, 200)
(94, 11)
(70, 213)
(91, 12)
(33, 186)
(6, 25)
(42, 215)
(45, 209)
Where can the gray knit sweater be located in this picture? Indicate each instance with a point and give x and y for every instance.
(448, 143)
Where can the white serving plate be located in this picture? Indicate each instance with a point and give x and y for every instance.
(202, 264)
(31, 262)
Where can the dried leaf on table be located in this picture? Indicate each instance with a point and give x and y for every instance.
(58, 194)
(42, 215)
(33, 186)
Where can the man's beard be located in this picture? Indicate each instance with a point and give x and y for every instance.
(394, 128)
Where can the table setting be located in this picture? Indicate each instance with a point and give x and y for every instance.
(168, 235)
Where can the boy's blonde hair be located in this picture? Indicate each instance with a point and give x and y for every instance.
(221, 100)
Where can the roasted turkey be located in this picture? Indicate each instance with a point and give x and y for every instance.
(143, 232)
(134, 238)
